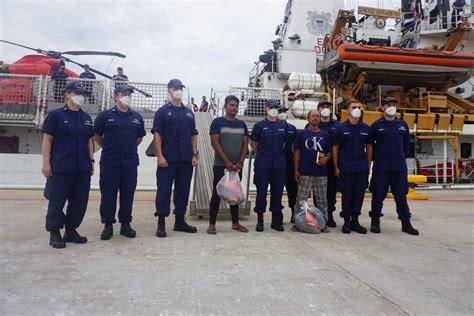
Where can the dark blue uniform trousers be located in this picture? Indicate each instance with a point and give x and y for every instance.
(291, 185)
(353, 185)
(262, 178)
(180, 173)
(113, 179)
(398, 183)
(73, 187)
(332, 189)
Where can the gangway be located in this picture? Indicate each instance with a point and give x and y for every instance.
(203, 176)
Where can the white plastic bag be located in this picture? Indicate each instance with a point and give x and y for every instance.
(309, 219)
(230, 189)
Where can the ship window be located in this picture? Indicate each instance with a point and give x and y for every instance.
(466, 150)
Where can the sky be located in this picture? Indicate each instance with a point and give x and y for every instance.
(206, 44)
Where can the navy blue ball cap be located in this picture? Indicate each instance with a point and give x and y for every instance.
(389, 100)
(175, 83)
(75, 86)
(122, 88)
(322, 103)
(273, 104)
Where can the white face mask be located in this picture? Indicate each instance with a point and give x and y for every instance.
(178, 94)
(282, 116)
(273, 112)
(126, 100)
(356, 113)
(325, 112)
(391, 111)
(78, 99)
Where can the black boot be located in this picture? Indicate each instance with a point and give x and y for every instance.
(259, 226)
(73, 236)
(331, 222)
(55, 239)
(161, 229)
(375, 225)
(127, 230)
(277, 222)
(108, 232)
(346, 228)
(407, 228)
(180, 225)
(292, 216)
(355, 226)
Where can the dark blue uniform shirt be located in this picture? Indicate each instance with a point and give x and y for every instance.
(270, 136)
(120, 131)
(57, 75)
(71, 132)
(391, 140)
(329, 127)
(352, 140)
(87, 75)
(288, 150)
(176, 126)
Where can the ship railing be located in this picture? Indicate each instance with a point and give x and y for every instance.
(444, 20)
(253, 100)
(27, 100)
(146, 98)
(94, 102)
(21, 99)
(438, 171)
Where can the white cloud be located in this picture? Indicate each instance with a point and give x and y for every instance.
(204, 43)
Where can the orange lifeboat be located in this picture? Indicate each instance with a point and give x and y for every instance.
(352, 52)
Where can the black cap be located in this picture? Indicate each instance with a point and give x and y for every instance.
(273, 104)
(320, 104)
(175, 83)
(122, 88)
(389, 100)
(75, 86)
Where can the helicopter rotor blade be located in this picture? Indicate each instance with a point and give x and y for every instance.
(38, 50)
(91, 52)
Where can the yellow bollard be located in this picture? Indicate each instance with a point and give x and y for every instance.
(412, 195)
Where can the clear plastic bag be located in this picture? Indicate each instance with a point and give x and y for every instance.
(309, 219)
(230, 189)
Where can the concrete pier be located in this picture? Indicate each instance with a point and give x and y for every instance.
(269, 273)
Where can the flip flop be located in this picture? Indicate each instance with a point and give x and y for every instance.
(240, 228)
(211, 231)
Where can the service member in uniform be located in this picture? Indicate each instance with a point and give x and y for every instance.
(352, 152)
(312, 153)
(329, 125)
(175, 139)
(59, 76)
(291, 185)
(88, 74)
(68, 163)
(118, 131)
(268, 141)
(229, 138)
(391, 140)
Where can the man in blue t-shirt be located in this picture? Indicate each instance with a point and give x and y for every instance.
(230, 139)
(312, 153)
